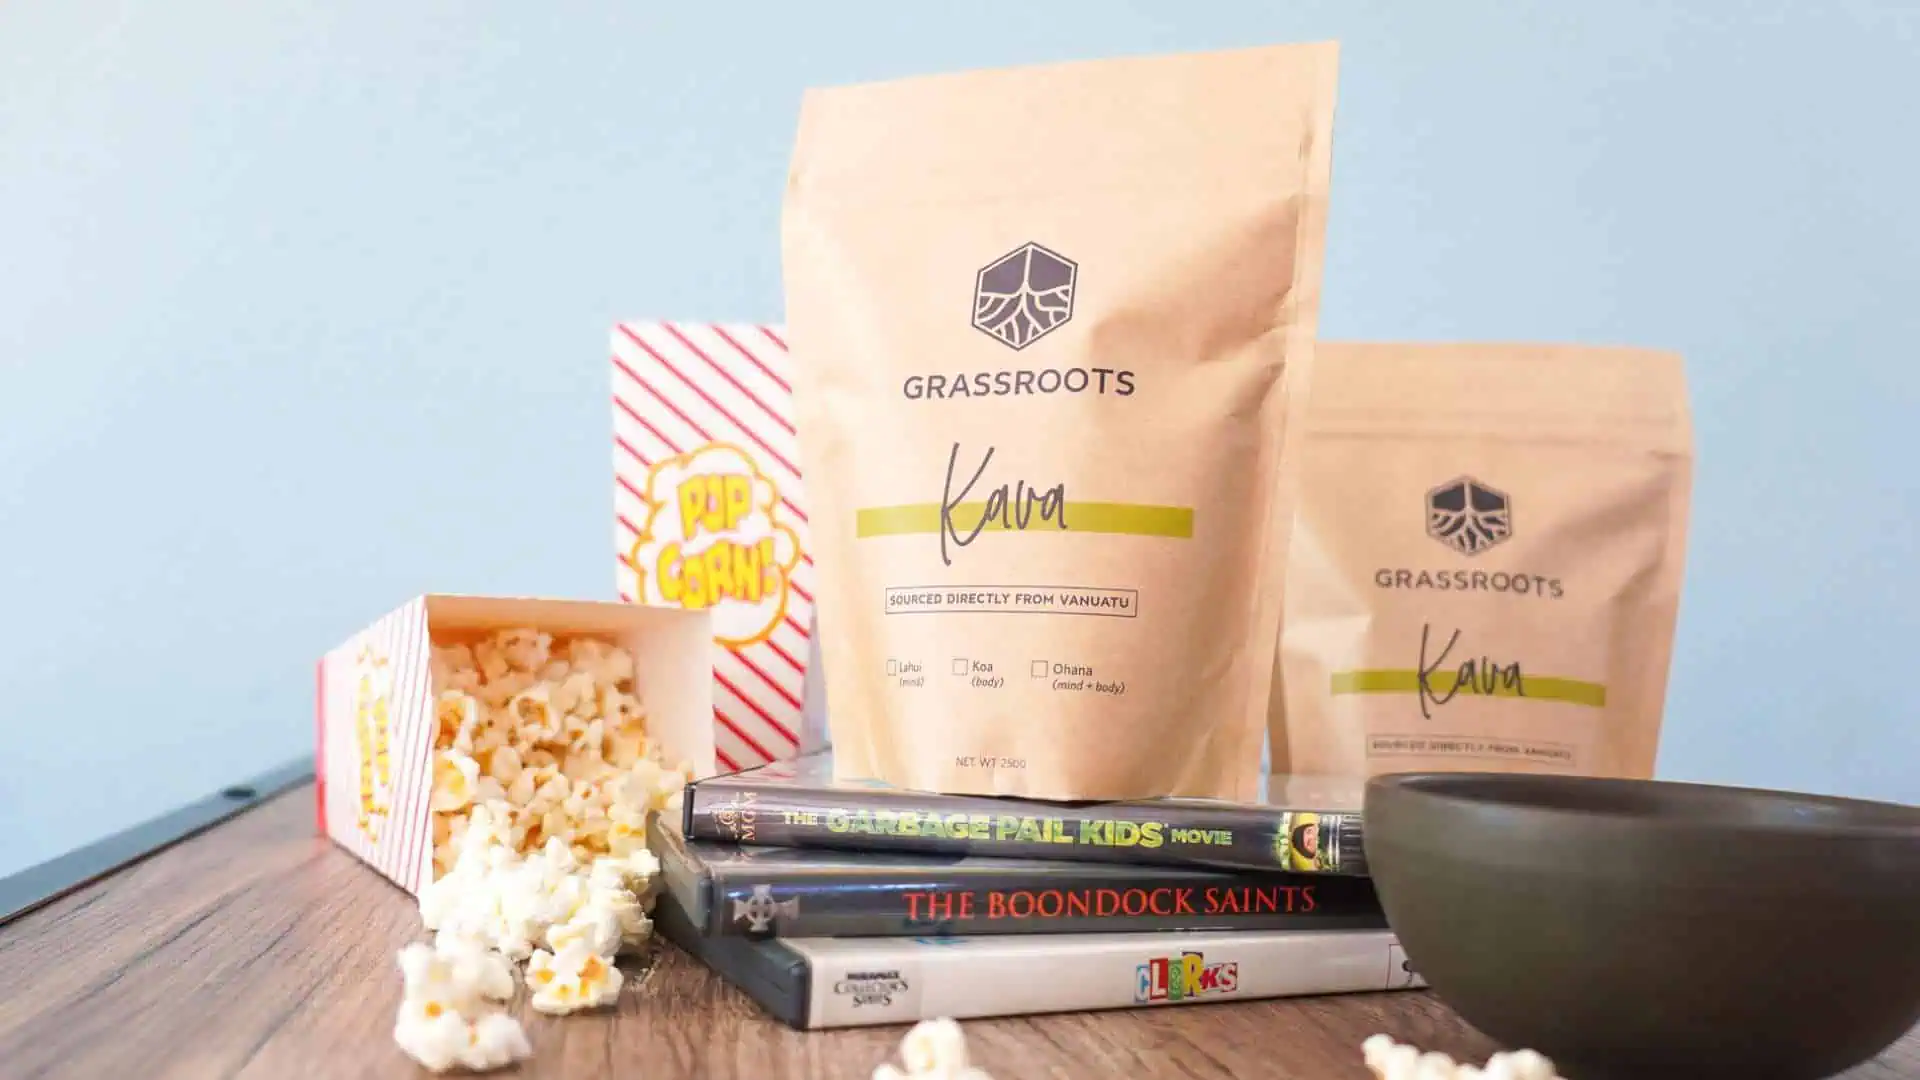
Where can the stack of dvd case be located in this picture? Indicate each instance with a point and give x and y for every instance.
(840, 904)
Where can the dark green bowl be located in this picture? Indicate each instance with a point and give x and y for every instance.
(1650, 929)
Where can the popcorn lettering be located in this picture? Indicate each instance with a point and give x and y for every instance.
(1389, 1060)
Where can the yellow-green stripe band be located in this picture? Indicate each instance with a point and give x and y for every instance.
(1130, 519)
(1441, 683)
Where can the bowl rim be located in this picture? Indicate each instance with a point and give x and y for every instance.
(1467, 788)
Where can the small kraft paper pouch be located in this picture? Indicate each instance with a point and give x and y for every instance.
(379, 732)
(1047, 323)
(1486, 563)
(710, 515)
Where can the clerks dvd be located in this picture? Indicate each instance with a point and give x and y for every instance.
(1305, 825)
(745, 891)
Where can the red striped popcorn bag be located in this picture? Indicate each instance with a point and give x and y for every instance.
(403, 706)
(709, 515)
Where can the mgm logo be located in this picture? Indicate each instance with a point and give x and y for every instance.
(1024, 295)
(1468, 516)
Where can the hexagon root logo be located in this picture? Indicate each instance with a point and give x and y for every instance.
(1024, 295)
(1468, 516)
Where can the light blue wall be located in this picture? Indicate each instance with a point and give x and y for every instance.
(303, 310)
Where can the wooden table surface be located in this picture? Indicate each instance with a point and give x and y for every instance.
(257, 949)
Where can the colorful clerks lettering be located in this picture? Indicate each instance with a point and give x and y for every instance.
(1182, 977)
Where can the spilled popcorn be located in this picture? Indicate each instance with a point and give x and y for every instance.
(933, 1050)
(1389, 1060)
(449, 1012)
(578, 978)
(543, 782)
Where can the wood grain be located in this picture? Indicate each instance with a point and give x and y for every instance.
(259, 950)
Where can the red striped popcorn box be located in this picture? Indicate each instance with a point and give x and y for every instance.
(710, 515)
(375, 721)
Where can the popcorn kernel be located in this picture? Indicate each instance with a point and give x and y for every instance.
(1389, 1060)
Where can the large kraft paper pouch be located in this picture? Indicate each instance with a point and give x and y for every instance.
(1047, 324)
(1485, 569)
